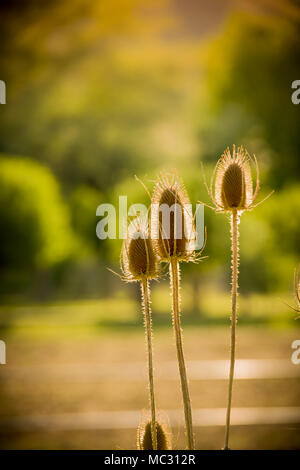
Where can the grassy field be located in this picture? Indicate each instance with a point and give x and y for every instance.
(75, 377)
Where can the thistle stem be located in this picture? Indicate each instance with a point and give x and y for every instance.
(234, 293)
(175, 276)
(148, 328)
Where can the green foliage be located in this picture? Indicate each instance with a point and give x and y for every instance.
(250, 69)
(83, 204)
(100, 100)
(94, 98)
(270, 243)
(282, 212)
(269, 238)
(35, 228)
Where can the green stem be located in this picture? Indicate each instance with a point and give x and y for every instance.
(174, 276)
(148, 328)
(234, 293)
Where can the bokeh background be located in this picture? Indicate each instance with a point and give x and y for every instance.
(98, 92)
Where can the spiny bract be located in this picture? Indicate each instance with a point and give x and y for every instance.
(172, 226)
(144, 439)
(138, 259)
(231, 186)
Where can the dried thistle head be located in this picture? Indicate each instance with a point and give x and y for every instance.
(138, 259)
(172, 226)
(144, 437)
(231, 186)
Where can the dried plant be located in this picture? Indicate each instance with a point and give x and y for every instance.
(144, 436)
(173, 244)
(139, 263)
(178, 238)
(231, 191)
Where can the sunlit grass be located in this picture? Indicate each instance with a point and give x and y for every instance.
(77, 317)
(94, 316)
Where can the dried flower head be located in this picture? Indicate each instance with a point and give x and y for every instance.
(231, 190)
(138, 259)
(231, 185)
(144, 437)
(172, 225)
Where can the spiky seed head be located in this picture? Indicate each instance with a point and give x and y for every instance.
(138, 259)
(233, 181)
(172, 226)
(144, 437)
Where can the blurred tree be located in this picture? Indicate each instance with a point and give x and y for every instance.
(83, 90)
(217, 244)
(281, 212)
(270, 243)
(35, 232)
(83, 204)
(250, 69)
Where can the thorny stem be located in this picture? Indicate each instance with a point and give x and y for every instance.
(234, 293)
(175, 276)
(148, 328)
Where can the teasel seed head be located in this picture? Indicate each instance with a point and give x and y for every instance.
(173, 234)
(138, 259)
(231, 185)
(144, 438)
